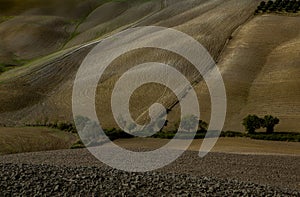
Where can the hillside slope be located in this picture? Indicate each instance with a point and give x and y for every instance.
(261, 70)
(259, 65)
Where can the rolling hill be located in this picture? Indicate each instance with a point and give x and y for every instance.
(43, 45)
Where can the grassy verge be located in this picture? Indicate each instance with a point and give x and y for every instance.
(276, 136)
(114, 134)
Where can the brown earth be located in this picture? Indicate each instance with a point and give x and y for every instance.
(281, 171)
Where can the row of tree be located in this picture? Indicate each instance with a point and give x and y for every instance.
(253, 122)
(279, 6)
(188, 123)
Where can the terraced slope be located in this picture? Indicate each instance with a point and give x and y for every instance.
(42, 89)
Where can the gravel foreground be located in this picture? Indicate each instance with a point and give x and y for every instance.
(78, 173)
(45, 180)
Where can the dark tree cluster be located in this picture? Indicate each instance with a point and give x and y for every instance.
(253, 122)
(291, 6)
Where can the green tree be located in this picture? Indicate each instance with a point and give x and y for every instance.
(80, 122)
(269, 123)
(251, 123)
(189, 122)
(131, 127)
(202, 126)
(262, 4)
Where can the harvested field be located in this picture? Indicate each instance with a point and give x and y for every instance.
(260, 67)
(234, 145)
(48, 97)
(259, 63)
(29, 139)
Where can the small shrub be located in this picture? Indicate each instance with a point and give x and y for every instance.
(114, 134)
(2, 68)
(231, 134)
(77, 145)
(69, 127)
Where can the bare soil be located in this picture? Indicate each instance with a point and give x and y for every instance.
(280, 171)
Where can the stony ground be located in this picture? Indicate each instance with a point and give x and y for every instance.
(76, 172)
(29, 180)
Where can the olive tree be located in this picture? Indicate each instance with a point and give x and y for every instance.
(251, 123)
(269, 123)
